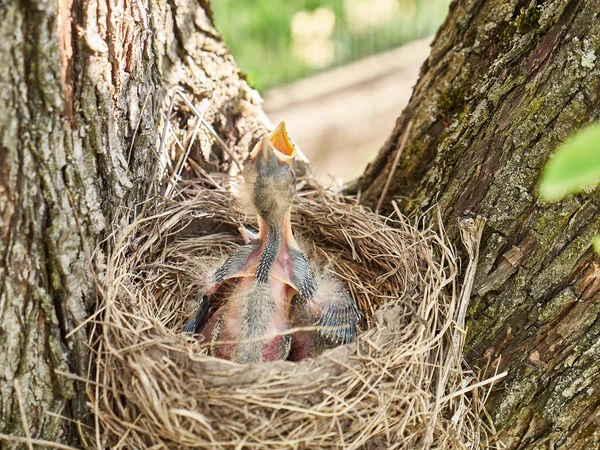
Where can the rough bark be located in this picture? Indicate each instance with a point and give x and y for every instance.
(82, 84)
(505, 83)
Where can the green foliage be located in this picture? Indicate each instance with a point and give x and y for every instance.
(575, 167)
(260, 36)
(596, 243)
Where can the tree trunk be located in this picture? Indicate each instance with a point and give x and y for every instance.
(505, 83)
(82, 85)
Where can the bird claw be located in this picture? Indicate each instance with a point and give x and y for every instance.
(247, 235)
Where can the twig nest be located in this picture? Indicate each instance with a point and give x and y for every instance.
(153, 387)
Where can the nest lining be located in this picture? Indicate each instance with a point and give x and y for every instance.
(395, 387)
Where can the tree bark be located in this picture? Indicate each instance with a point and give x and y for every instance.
(82, 87)
(505, 83)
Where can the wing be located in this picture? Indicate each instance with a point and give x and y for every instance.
(199, 316)
(337, 315)
(238, 264)
(302, 276)
(334, 310)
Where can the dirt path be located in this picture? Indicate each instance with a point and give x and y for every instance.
(342, 117)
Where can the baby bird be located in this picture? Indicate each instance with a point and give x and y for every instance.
(272, 285)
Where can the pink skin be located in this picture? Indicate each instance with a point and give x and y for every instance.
(281, 292)
(282, 295)
(302, 346)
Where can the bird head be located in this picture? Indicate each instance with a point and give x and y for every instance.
(271, 175)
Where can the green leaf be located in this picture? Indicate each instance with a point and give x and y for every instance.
(575, 167)
(596, 243)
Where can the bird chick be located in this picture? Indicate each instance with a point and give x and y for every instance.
(327, 320)
(270, 275)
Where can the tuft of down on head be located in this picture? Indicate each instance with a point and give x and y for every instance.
(270, 175)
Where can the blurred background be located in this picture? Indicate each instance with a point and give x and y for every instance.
(339, 72)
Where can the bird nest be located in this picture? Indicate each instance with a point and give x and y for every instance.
(402, 384)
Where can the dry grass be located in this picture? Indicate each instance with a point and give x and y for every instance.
(403, 384)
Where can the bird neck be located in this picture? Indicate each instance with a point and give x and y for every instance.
(274, 234)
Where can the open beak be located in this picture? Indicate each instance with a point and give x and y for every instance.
(278, 144)
(281, 141)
